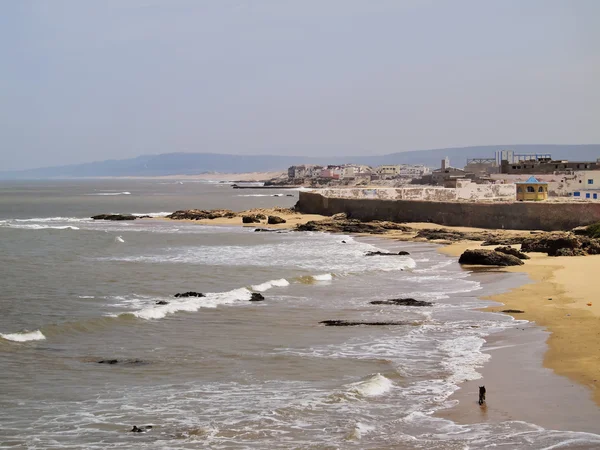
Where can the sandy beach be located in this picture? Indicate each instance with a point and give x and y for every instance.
(556, 298)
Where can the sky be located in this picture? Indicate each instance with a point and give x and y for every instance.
(89, 80)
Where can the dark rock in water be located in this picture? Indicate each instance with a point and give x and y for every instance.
(189, 294)
(114, 217)
(275, 220)
(350, 226)
(511, 251)
(488, 258)
(256, 297)
(132, 362)
(200, 214)
(264, 230)
(289, 195)
(402, 302)
(346, 323)
(344, 242)
(137, 429)
(162, 302)
(378, 253)
(512, 311)
(250, 219)
(145, 217)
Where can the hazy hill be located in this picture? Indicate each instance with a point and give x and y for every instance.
(198, 163)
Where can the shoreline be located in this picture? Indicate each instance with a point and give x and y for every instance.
(573, 327)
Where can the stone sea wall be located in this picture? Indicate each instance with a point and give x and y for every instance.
(509, 215)
(470, 191)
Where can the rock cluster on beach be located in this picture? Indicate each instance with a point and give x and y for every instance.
(201, 214)
(488, 258)
(379, 253)
(562, 244)
(351, 226)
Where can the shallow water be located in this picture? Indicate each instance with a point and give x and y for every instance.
(220, 371)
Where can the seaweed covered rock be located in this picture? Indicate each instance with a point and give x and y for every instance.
(488, 258)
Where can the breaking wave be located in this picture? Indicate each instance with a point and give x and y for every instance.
(24, 336)
(270, 284)
(372, 386)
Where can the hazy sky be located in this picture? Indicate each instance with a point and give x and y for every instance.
(84, 80)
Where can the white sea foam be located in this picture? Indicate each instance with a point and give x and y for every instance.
(270, 284)
(24, 336)
(360, 429)
(112, 193)
(119, 239)
(372, 386)
(153, 214)
(192, 304)
(465, 357)
(42, 227)
(55, 219)
(86, 296)
(323, 277)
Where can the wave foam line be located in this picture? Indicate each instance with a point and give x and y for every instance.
(270, 284)
(24, 336)
(193, 304)
(42, 227)
(112, 193)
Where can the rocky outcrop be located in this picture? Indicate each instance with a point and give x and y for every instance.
(250, 219)
(257, 297)
(402, 302)
(201, 214)
(378, 253)
(504, 241)
(488, 258)
(162, 302)
(346, 323)
(350, 226)
(275, 220)
(511, 251)
(551, 243)
(189, 294)
(114, 217)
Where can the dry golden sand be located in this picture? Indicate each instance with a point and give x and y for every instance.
(556, 298)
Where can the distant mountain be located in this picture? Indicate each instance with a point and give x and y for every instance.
(199, 163)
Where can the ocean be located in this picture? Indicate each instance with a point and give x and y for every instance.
(220, 371)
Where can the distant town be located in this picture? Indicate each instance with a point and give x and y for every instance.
(505, 175)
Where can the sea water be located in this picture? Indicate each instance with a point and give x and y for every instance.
(220, 371)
